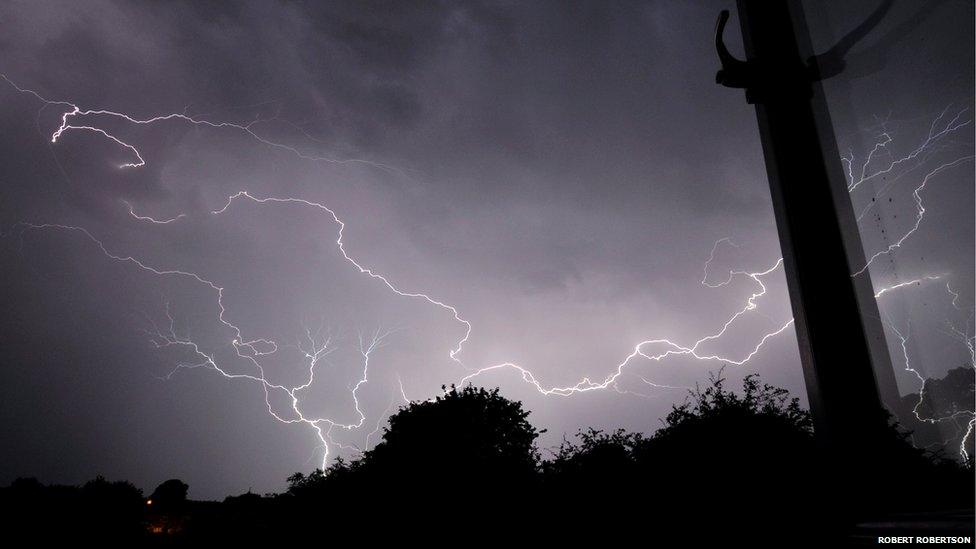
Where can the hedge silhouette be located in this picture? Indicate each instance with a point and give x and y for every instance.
(724, 464)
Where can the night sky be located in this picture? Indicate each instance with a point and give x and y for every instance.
(558, 174)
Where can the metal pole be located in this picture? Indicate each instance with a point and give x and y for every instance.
(841, 342)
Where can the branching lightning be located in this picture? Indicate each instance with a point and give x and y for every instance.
(880, 163)
(670, 348)
(316, 348)
(937, 133)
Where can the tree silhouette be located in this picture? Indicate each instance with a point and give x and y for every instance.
(465, 451)
(111, 512)
(597, 459)
(731, 460)
(468, 433)
(725, 464)
(170, 496)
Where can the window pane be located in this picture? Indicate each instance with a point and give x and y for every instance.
(903, 114)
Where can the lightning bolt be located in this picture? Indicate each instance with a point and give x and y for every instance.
(919, 213)
(964, 335)
(315, 349)
(951, 417)
(148, 219)
(933, 142)
(74, 111)
(250, 351)
(670, 348)
(881, 163)
(934, 136)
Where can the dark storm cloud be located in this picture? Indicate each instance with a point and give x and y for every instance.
(558, 171)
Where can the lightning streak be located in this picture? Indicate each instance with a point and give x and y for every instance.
(965, 335)
(247, 350)
(954, 415)
(315, 350)
(671, 348)
(919, 213)
(885, 139)
(74, 111)
(880, 162)
(148, 219)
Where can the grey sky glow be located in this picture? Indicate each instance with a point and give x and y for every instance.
(558, 172)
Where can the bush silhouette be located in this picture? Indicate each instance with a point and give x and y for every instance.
(169, 496)
(724, 465)
(596, 459)
(99, 510)
(469, 433)
(728, 459)
(465, 450)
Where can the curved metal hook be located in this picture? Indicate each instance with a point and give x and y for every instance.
(733, 71)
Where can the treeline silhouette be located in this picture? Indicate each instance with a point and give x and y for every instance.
(465, 467)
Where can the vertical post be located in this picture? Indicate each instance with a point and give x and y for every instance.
(838, 328)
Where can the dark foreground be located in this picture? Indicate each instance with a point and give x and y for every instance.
(726, 467)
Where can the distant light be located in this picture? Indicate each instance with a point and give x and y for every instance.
(148, 502)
